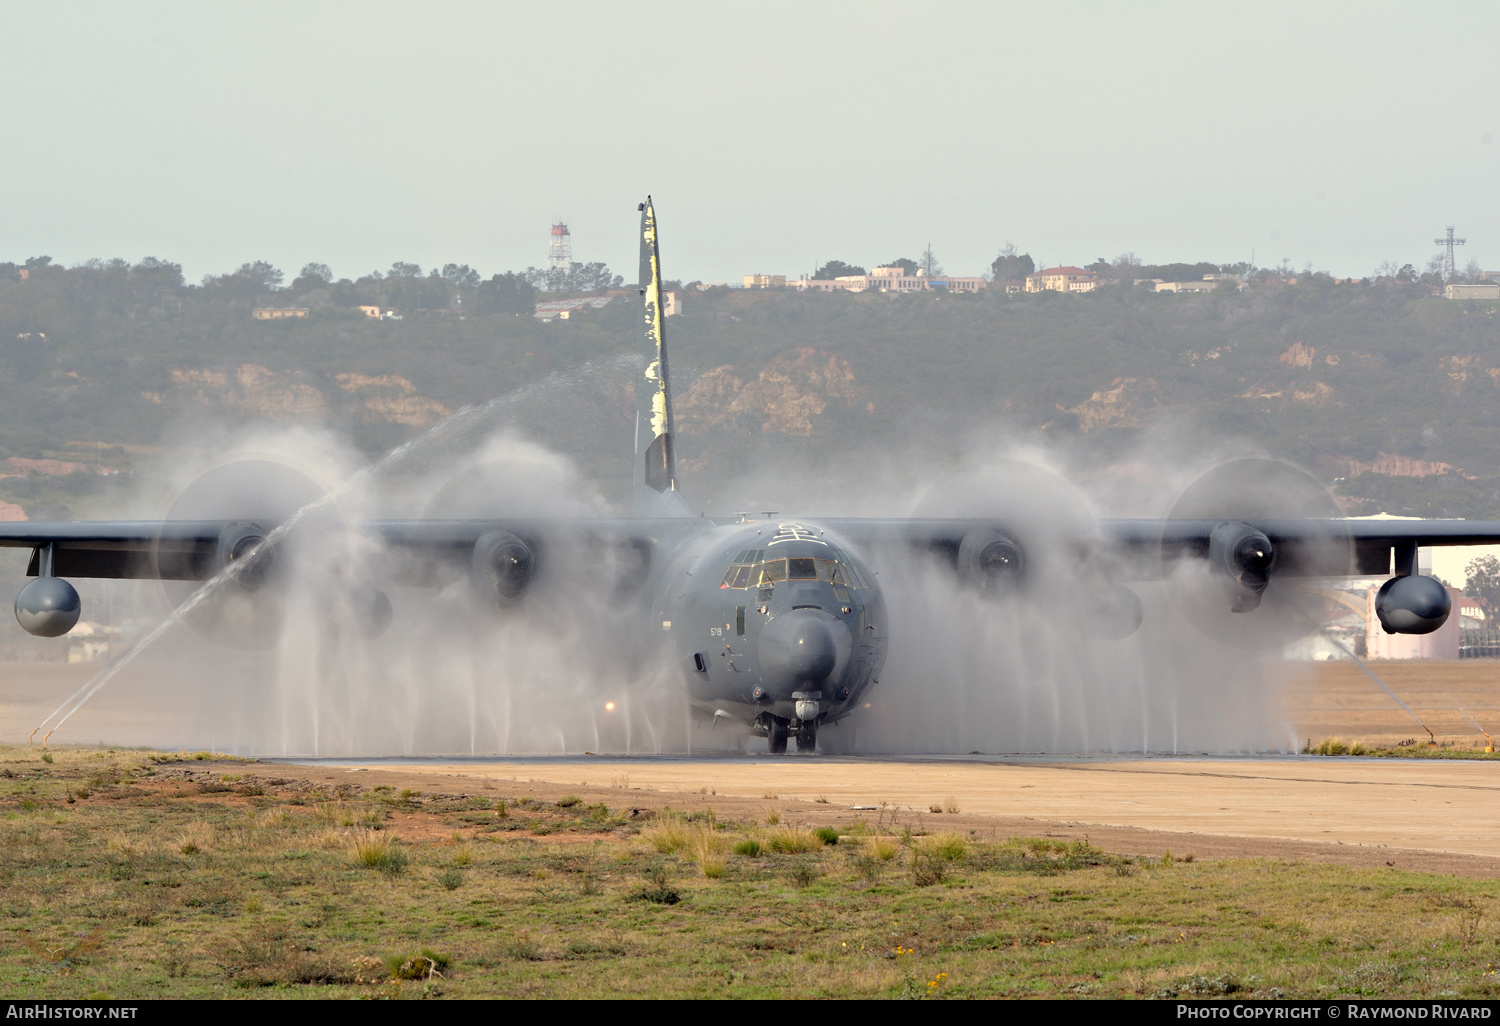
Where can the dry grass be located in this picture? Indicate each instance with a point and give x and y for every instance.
(197, 837)
(278, 899)
(272, 818)
(706, 847)
(371, 849)
(668, 835)
(949, 847)
(793, 841)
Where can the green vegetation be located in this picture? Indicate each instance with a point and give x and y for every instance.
(100, 363)
(1411, 748)
(171, 880)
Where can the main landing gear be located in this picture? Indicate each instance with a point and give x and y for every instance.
(776, 731)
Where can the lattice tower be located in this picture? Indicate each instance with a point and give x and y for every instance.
(1448, 266)
(560, 253)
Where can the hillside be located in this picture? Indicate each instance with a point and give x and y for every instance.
(1388, 394)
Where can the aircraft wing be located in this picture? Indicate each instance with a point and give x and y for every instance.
(185, 550)
(170, 550)
(1361, 548)
(1140, 547)
(189, 550)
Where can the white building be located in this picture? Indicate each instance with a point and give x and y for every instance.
(891, 279)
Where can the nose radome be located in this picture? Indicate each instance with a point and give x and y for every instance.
(813, 651)
(799, 649)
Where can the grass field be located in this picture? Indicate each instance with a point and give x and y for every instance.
(135, 875)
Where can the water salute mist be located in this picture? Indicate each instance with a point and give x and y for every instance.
(471, 592)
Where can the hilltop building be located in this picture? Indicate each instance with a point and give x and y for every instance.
(765, 281)
(890, 279)
(563, 309)
(1485, 290)
(1062, 279)
(275, 313)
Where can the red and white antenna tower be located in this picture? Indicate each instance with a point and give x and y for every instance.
(560, 253)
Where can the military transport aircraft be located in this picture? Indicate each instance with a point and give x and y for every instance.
(775, 621)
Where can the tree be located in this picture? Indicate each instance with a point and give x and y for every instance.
(907, 264)
(248, 281)
(1011, 266)
(1127, 267)
(461, 276)
(261, 273)
(1195, 272)
(312, 276)
(505, 293)
(343, 293)
(929, 264)
(402, 270)
(1482, 583)
(591, 278)
(158, 273)
(413, 293)
(577, 278)
(837, 269)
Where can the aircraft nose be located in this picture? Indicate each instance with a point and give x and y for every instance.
(798, 650)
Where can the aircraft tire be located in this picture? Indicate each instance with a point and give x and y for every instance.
(776, 736)
(807, 739)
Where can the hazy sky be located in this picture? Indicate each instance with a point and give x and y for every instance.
(771, 134)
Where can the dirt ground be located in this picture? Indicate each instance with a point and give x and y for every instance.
(1334, 699)
(1436, 815)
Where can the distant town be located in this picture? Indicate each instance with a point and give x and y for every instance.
(565, 287)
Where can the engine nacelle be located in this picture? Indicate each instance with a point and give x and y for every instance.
(48, 607)
(1412, 605)
(990, 561)
(501, 567)
(1241, 555)
(237, 548)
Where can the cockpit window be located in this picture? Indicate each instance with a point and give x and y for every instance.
(750, 572)
(802, 569)
(771, 571)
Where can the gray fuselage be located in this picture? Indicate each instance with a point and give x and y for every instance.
(771, 619)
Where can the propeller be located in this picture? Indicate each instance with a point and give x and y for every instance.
(1044, 540)
(1250, 593)
(254, 495)
(1047, 519)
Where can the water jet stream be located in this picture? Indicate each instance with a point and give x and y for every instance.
(439, 432)
(1371, 674)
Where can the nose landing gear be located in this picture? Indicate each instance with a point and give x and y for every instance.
(807, 737)
(777, 731)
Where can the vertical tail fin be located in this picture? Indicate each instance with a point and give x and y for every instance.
(655, 458)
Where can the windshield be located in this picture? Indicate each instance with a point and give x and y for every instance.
(765, 573)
